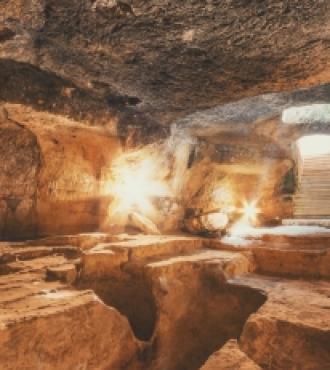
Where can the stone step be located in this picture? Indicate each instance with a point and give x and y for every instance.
(323, 167)
(304, 211)
(302, 255)
(311, 188)
(313, 202)
(105, 259)
(318, 210)
(84, 241)
(304, 193)
(314, 177)
(317, 180)
(316, 161)
(23, 253)
(143, 247)
(36, 267)
(317, 183)
(52, 317)
(325, 222)
(315, 173)
(312, 197)
(322, 206)
(230, 263)
(296, 311)
(282, 259)
(309, 215)
(8, 254)
(316, 166)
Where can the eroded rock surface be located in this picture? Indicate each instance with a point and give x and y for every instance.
(292, 328)
(170, 59)
(230, 357)
(158, 302)
(297, 256)
(19, 167)
(54, 174)
(48, 324)
(209, 67)
(82, 80)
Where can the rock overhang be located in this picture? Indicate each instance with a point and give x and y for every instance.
(167, 60)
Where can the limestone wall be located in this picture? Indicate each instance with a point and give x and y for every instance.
(53, 176)
(19, 165)
(227, 183)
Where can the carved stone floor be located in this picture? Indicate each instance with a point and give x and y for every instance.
(99, 301)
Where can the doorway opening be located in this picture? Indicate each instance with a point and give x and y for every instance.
(312, 199)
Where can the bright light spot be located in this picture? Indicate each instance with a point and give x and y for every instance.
(244, 225)
(314, 145)
(250, 211)
(241, 228)
(135, 183)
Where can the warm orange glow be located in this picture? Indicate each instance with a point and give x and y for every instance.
(224, 199)
(135, 182)
(240, 228)
(249, 216)
(250, 211)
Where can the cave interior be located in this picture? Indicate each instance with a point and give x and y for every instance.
(164, 185)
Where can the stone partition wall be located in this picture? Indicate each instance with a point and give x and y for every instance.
(53, 174)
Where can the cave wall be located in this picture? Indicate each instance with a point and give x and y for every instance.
(72, 179)
(247, 151)
(54, 174)
(19, 167)
(67, 166)
(227, 178)
(138, 69)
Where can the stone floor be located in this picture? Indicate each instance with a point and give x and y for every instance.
(99, 301)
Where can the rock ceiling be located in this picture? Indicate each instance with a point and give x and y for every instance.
(158, 60)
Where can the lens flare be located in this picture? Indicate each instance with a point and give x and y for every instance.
(135, 183)
(250, 211)
(245, 224)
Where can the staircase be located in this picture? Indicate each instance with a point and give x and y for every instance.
(313, 197)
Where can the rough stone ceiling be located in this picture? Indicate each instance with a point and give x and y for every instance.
(261, 116)
(165, 59)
